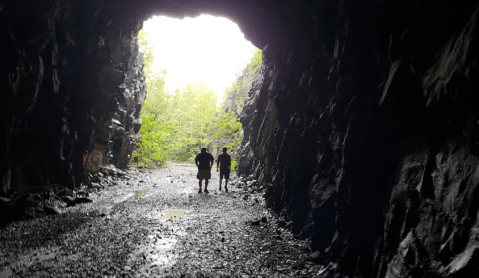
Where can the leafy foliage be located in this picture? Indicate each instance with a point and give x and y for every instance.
(150, 150)
(234, 87)
(226, 125)
(257, 59)
(192, 112)
(158, 99)
(227, 129)
(233, 165)
(177, 125)
(147, 49)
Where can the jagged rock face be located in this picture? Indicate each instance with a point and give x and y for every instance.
(366, 131)
(364, 127)
(235, 101)
(246, 84)
(245, 158)
(72, 88)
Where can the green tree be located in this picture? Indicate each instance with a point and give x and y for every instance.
(150, 149)
(147, 49)
(156, 104)
(175, 126)
(226, 126)
(192, 112)
(257, 59)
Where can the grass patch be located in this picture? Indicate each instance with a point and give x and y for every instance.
(141, 193)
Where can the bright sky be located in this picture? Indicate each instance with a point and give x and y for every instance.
(206, 48)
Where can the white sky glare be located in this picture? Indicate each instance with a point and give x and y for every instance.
(205, 48)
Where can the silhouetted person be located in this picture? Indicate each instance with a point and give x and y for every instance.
(224, 164)
(204, 161)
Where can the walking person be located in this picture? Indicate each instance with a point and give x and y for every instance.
(224, 165)
(204, 161)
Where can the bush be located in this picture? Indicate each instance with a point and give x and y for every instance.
(150, 150)
(233, 165)
(257, 59)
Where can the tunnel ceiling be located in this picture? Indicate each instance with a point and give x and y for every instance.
(364, 129)
(259, 20)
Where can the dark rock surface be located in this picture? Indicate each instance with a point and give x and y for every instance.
(248, 114)
(72, 85)
(363, 132)
(39, 201)
(168, 231)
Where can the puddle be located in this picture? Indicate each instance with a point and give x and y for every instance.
(114, 200)
(165, 243)
(142, 192)
(161, 257)
(173, 214)
(122, 199)
(161, 243)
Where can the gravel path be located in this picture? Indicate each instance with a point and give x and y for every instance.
(155, 224)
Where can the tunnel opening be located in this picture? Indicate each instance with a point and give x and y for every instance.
(198, 72)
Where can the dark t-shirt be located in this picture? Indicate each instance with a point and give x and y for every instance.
(224, 160)
(204, 159)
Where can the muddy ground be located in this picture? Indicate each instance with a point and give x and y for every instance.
(155, 224)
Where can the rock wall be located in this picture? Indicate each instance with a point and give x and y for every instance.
(366, 133)
(234, 102)
(245, 156)
(72, 88)
(243, 84)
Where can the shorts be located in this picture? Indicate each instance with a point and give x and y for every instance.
(204, 174)
(225, 174)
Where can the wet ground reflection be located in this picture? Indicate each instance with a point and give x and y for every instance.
(168, 230)
(161, 243)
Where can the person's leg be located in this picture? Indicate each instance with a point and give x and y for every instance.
(227, 177)
(221, 179)
(200, 179)
(207, 179)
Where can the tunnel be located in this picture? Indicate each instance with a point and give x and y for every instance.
(364, 129)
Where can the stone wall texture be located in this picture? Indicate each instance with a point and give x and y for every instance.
(366, 133)
(72, 88)
(364, 126)
(246, 84)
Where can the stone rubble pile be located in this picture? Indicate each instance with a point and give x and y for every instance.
(35, 202)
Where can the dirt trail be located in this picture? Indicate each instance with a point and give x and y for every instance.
(155, 224)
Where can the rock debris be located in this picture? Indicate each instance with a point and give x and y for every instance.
(155, 224)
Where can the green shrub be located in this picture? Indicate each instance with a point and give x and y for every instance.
(150, 150)
(257, 59)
